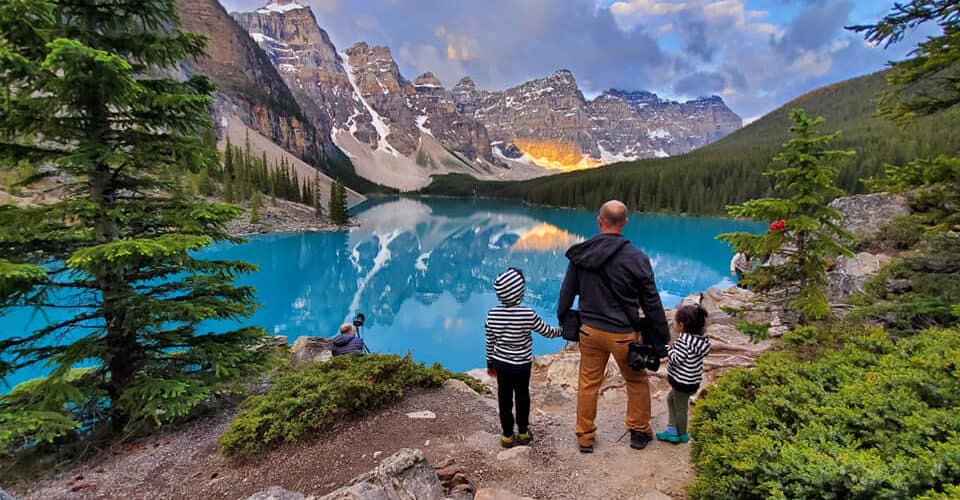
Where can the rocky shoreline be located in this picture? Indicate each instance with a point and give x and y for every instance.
(281, 217)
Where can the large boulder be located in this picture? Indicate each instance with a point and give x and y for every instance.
(401, 476)
(864, 214)
(561, 370)
(310, 349)
(850, 273)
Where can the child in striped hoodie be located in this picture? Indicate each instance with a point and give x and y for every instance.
(510, 354)
(685, 371)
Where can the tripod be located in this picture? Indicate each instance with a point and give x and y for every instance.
(358, 324)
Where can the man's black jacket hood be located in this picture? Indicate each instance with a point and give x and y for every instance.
(631, 283)
(595, 252)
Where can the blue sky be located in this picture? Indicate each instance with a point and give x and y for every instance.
(756, 54)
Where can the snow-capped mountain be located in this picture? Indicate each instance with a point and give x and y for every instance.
(396, 132)
(548, 121)
(399, 132)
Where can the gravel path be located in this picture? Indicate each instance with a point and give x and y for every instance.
(186, 463)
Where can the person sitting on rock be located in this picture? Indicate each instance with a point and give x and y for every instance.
(685, 372)
(510, 354)
(348, 342)
(740, 265)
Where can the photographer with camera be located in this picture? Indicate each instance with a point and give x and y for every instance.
(614, 281)
(349, 341)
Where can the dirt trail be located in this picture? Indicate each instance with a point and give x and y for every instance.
(186, 464)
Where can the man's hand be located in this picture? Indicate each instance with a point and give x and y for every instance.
(491, 373)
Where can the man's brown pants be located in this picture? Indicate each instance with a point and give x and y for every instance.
(596, 346)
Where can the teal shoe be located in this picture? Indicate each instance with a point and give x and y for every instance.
(669, 436)
(684, 438)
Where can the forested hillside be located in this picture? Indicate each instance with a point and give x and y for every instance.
(730, 170)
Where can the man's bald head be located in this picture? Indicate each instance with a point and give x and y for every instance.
(613, 216)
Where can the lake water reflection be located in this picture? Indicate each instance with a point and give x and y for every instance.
(422, 272)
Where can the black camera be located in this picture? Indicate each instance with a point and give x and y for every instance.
(645, 356)
(359, 320)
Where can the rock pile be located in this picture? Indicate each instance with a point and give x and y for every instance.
(311, 349)
(404, 475)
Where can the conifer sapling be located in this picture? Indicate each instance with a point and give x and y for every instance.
(809, 239)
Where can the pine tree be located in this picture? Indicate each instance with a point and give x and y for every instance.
(81, 92)
(255, 204)
(804, 174)
(344, 215)
(228, 192)
(929, 81)
(338, 204)
(317, 202)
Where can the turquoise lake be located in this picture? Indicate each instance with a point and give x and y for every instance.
(422, 272)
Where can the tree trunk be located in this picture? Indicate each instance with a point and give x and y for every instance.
(121, 349)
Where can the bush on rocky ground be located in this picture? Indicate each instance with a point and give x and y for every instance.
(839, 412)
(316, 396)
(901, 233)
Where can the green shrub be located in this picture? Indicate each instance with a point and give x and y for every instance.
(866, 417)
(918, 291)
(901, 233)
(316, 396)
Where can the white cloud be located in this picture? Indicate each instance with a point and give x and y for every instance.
(811, 63)
(646, 7)
(426, 57)
(458, 47)
(726, 10)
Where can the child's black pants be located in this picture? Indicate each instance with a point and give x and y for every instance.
(513, 382)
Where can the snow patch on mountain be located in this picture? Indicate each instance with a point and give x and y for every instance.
(383, 130)
(279, 6)
(611, 157)
(659, 134)
(421, 120)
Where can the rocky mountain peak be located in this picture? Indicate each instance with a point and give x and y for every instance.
(634, 98)
(427, 79)
(397, 131)
(249, 84)
(564, 75)
(465, 83)
(378, 62)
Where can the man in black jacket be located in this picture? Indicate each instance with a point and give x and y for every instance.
(614, 279)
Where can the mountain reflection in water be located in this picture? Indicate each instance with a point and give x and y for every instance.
(422, 272)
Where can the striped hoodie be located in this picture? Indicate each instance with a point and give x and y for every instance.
(686, 361)
(508, 325)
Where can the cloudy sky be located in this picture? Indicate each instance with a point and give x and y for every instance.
(756, 54)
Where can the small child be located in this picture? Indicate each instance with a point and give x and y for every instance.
(685, 371)
(510, 354)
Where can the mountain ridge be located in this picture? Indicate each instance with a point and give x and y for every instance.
(729, 171)
(400, 132)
